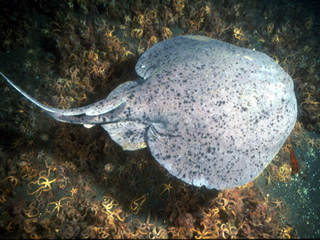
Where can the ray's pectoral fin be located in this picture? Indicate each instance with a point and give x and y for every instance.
(161, 142)
(129, 135)
(175, 153)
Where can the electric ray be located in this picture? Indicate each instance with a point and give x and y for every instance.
(212, 114)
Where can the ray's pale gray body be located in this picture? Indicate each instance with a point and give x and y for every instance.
(212, 114)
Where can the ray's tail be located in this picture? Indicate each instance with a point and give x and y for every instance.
(36, 102)
(87, 115)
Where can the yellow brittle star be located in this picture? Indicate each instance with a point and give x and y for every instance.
(211, 212)
(31, 211)
(73, 191)
(12, 179)
(43, 182)
(136, 204)
(108, 204)
(238, 34)
(167, 188)
(58, 205)
(229, 229)
(205, 233)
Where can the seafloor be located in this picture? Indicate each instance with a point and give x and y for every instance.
(59, 180)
